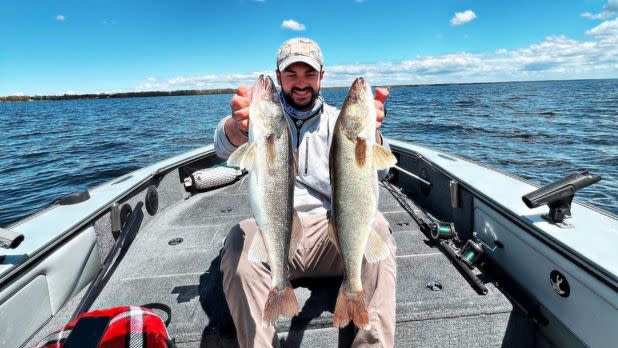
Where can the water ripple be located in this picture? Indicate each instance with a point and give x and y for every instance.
(540, 131)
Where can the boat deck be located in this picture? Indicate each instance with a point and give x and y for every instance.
(186, 277)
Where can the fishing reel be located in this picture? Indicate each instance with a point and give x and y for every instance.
(442, 230)
(471, 253)
(473, 250)
(465, 259)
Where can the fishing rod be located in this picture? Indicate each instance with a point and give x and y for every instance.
(442, 233)
(412, 175)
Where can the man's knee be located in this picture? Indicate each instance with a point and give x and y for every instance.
(236, 237)
(237, 240)
(234, 241)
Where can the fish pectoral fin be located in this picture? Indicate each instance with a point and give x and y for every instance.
(360, 151)
(332, 235)
(383, 158)
(297, 234)
(270, 150)
(376, 250)
(236, 156)
(248, 159)
(257, 250)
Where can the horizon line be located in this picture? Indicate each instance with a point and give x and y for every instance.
(231, 90)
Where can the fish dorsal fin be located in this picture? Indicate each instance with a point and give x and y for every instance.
(377, 250)
(297, 234)
(236, 156)
(383, 158)
(257, 250)
(332, 235)
(248, 159)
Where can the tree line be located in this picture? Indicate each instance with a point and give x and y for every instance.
(15, 98)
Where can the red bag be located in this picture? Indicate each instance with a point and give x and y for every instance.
(128, 326)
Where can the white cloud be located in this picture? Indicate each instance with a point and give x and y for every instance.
(463, 17)
(60, 17)
(607, 30)
(609, 9)
(18, 94)
(212, 81)
(292, 25)
(555, 57)
(600, 15)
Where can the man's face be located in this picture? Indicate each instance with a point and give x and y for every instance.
(300, 84)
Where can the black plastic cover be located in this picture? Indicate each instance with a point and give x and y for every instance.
(73, 198)
(152, 200)
(10, 239)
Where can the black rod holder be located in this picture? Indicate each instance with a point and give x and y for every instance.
(559, 195)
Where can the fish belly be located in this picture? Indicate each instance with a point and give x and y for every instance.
(271, 192)
(354, 208)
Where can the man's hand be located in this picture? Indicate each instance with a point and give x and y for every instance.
(380, 98)
(236, 128)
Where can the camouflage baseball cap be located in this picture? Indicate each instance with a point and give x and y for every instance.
(299, 50)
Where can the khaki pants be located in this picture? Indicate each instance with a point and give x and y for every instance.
(246, 284)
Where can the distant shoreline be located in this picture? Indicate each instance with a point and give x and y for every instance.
(118, 95)
(186, 92)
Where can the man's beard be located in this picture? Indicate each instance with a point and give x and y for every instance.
(309, 105)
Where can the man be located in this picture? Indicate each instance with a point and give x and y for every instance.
(246, 284)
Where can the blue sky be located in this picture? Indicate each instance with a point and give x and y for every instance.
(56, 47)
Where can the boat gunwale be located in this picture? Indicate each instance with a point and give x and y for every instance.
(167, 165)
(161, 168)
(603, 275)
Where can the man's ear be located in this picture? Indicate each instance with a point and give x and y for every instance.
(278, 77)
(321, 75)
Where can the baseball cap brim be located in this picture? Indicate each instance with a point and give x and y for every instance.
(304, 59)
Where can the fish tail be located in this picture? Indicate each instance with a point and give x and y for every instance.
(280, 302)
(351, 306)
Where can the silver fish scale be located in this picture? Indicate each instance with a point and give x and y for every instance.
(354, 205)
(272, 192)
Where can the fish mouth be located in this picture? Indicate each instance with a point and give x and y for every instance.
(356, 109)
(358, 89)
(264, 82)
(359, 84)
(264, 89)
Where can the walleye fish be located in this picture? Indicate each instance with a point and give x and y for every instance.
(270, 160)
(354, 160)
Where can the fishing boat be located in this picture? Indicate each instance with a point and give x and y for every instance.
(484, 258)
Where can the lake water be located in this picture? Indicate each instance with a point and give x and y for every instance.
(541, 131)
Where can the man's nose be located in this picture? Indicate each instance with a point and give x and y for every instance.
(302, 83)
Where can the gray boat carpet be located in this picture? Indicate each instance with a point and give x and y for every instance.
(186, 277)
